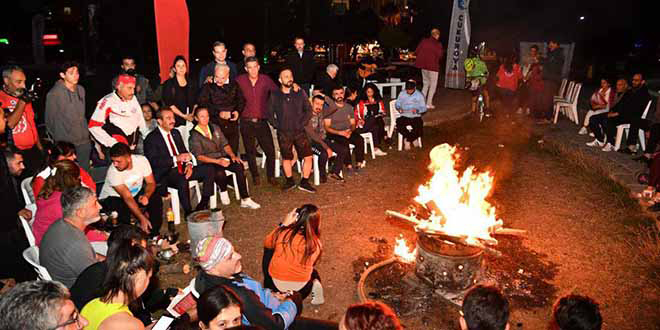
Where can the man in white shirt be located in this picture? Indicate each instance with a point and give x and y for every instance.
(172, 164)
(124, 190)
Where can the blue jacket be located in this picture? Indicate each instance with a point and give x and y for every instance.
(411, 106)
(259, 306)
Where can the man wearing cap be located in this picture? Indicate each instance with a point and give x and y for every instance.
(118, 116)
(221, 264)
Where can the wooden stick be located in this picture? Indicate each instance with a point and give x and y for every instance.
(511, 232)
(403, 216)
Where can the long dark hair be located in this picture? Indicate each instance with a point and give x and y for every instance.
(372, 86)
(128, 260)
(371, 315)
(508, 63)
(67, 175)
(307, 224)
(181, 58)
(213, 301)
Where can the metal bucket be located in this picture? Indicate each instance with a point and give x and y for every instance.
(205, 223)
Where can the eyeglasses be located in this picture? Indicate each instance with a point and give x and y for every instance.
(75, 317)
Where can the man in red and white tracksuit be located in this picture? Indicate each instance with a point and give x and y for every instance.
(118, 116)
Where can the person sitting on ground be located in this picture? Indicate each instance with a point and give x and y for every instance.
(574, 312)
(411, 106)
(64, 249)
(327, 81)
(127, 279)
(49, 208)
(484, 307)
(219, 308)
(369, 115)
(508, 79)
(476, 72)
(290, 110)
(601, 100)
(39, 305)
(316, 134)
(628, 110)
(129, 186)
(370, 315)
(56, 152)
(211, 147)
(172, 164)
(220, 264)
(290, 252)
(339, 123)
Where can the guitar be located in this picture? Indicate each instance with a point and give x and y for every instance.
(367, 69)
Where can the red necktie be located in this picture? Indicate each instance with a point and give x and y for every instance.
(178, 164)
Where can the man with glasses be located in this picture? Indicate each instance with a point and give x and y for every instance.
(39, 305)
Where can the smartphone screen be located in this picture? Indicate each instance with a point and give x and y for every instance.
(163, 323)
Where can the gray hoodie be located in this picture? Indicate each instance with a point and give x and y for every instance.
(65, 114)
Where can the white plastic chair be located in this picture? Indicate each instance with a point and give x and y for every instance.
(625, 129)
(561, 94)
(100, 247)
(278, 156)
(393, 116)
(31, 255)
(28, 231)
(369, 141)
(26, 188)
(568, 108)
(174, 196)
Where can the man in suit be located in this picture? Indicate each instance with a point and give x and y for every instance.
(301, 63)
(172, 165)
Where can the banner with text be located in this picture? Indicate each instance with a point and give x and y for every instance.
(457, 45)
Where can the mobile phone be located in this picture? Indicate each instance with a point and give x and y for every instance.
(163, 323)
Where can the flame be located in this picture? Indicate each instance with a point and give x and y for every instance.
(402, 253)
(457, 200)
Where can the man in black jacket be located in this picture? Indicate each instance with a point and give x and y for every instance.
(290, 112)
(553, 64)
(219, 57)
(225, 101)
(172, 164)
(301, 62)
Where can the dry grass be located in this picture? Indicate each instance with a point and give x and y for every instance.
(646, 241)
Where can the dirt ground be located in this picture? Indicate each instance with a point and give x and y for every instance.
(577, 225)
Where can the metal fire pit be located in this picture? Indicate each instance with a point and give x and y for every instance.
(450, 269)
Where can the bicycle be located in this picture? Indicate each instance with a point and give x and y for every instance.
(475, 86)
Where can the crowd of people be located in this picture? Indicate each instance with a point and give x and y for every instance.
(194, 131)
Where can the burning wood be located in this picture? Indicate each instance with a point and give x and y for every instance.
(456, 202)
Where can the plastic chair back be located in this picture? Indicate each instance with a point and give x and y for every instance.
(31, 255)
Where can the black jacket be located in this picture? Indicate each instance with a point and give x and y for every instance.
(289, 112)
(553, 65)
(303, 68)
(633, 103)
(227, 98)
(158, 154)
(189, 99)
(326, 84)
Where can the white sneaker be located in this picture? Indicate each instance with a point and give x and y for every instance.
(416, 143)
(379, 152)
(406, 145)
(592, 134)
(583, 131)
(595, 143)
(608, 147)
(430, 106)
(248, 203)
(519, 111)
(224, 198)
(317, 293)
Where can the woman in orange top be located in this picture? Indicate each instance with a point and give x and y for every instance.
(290, 252)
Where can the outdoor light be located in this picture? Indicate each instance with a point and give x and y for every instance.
(4, 41)
(582, 18)
(61, 50)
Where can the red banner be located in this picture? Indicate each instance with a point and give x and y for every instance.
(172, 32)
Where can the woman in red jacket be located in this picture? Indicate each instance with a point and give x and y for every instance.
(369, 114)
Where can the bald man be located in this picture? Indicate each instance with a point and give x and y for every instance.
(225, 102)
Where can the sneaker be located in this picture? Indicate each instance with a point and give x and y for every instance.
(592, 134)
(336, 177)
(248, 203)
(406, 145)
(288, 185)
(583, 131)
(596, 143)
(379, 152)
(430, 106)
(305, 186)
(608, 147)
(416, 143)
(224, 198)
(317, 293)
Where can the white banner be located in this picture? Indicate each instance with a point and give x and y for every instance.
(457, 45)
